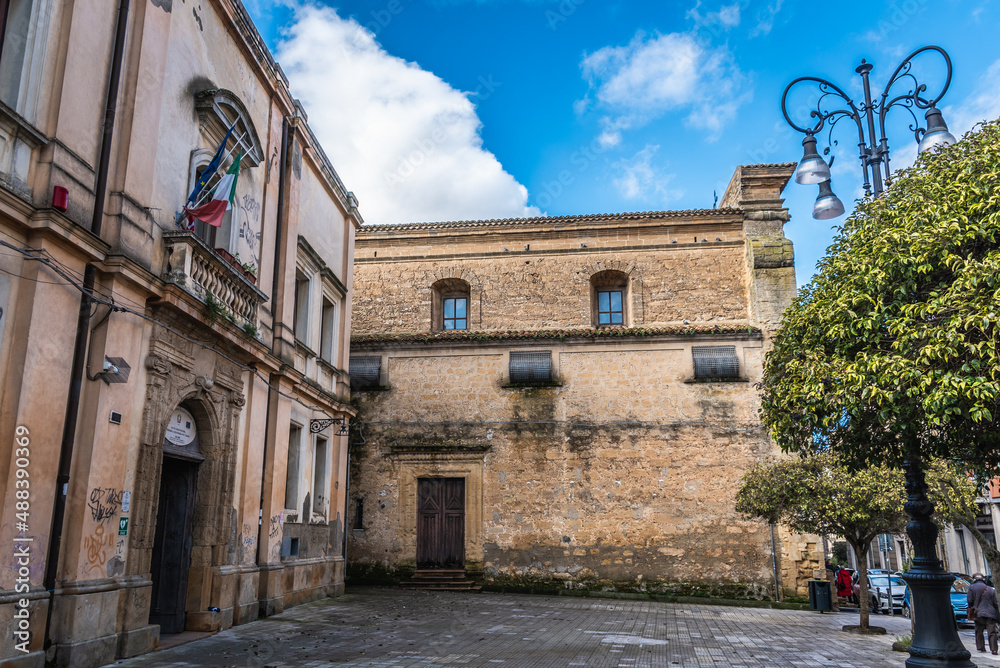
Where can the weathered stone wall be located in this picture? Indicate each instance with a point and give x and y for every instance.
(623, 475)
(623, 472)
(545, 284)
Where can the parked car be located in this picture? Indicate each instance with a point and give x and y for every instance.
(871, 572)
(878, 593)
(959, 600)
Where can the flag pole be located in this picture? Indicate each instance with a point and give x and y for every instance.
(206, 191)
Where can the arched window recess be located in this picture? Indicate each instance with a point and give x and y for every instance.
(218, 110)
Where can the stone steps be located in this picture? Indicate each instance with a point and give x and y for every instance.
(441, 580)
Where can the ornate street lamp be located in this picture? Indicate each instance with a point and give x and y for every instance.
(834, 105)
(935, 637)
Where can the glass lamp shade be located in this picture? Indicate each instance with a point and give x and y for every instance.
(812, 169)
(827, 204)
(937, 134)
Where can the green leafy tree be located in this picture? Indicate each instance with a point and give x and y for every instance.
(954, 495)
(892, 352)
(816, 494)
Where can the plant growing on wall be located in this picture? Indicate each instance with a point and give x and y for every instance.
(214, 309)
(817, 494)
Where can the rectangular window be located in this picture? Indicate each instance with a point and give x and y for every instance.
(300, 318)
(292, 472)
(530, 367)
(359, 514)
(319, 477)
(17, 17)
(455, 309)
(328, 346)
(715, 362)
(609, 307)
(366, 372)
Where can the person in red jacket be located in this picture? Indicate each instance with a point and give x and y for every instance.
(845, 586)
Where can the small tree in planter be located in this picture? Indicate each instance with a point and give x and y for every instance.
(816, 494)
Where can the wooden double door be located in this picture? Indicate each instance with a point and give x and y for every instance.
(171, 557)
(440, 523)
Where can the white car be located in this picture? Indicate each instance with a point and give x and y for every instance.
(878, 593)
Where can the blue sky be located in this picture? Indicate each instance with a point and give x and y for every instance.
(437, 110)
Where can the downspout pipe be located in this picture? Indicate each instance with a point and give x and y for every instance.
(83, 320)
(276, 276)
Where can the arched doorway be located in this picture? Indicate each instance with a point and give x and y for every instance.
(171, 558)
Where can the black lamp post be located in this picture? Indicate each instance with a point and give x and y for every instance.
(834, 105)
(935, 637)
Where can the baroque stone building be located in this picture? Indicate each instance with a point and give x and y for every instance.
(569, 402)
(169, 461)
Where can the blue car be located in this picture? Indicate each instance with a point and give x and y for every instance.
(959, 600)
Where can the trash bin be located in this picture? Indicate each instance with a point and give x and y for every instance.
(819, 596)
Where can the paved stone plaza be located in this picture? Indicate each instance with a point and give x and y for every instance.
(395, 628)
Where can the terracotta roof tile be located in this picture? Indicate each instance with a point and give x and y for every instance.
(569, 333)
(542, 220)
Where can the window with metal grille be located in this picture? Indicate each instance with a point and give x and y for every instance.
(531, 367)
(455, 309)
(715, 362)
(609, 307)
(365, 372)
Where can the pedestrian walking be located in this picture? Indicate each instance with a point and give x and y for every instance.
(982, 600)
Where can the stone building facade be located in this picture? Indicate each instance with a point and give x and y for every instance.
(170, 460)
(569, 402)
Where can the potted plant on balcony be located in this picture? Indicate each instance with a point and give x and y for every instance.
(226, 255)
(249, 269)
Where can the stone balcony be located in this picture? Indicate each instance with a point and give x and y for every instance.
(199, 270)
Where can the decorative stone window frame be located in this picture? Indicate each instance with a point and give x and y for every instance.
(32, 65)
(322, 516)
(322, 283)
(218, 109)
(443, 462)
(334, 292)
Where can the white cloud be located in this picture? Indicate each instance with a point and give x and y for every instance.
(403, 140)
(983, 104)
(727, 18)
(639, 179)
(765, 19)
(674, 72)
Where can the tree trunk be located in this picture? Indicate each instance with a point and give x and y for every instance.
(861, 549)
(990, 551)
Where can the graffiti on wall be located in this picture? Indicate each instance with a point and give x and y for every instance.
(98, 546)
(104, 503)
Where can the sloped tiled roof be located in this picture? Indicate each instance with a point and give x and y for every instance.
(543, 220)
(570, 333)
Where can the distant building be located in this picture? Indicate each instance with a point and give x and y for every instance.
(570, 402)
(170, 458)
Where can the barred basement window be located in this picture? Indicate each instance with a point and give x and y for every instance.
(531, 367)
(365, 372)
(715, 362)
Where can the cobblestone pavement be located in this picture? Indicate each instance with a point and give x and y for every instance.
(400, 629)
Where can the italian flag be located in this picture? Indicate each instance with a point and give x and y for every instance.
(212, 211)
